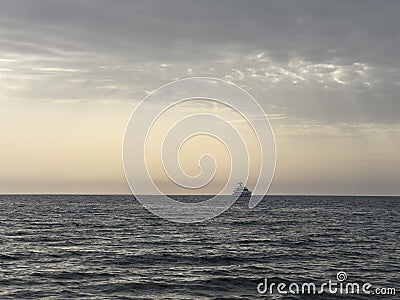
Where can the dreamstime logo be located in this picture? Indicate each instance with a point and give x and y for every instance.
(341, 276)
(166, 124)
(340, 287)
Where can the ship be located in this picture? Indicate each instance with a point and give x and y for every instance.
(241, 191)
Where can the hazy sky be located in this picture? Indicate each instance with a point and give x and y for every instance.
(326, 72)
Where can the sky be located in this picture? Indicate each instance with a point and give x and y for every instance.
(327, 73)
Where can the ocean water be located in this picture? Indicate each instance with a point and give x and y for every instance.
(110, 247)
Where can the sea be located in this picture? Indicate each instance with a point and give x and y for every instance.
(111, 247)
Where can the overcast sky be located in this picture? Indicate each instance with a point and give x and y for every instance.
(326, 72)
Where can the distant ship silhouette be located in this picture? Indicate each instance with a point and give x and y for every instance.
(241, 191)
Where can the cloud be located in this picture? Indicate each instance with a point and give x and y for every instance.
(325, 61)
(326, 72)
(341, 31)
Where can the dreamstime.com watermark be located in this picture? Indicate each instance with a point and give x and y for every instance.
(339, 287)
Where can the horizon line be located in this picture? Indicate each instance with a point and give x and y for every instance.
(125, 194)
